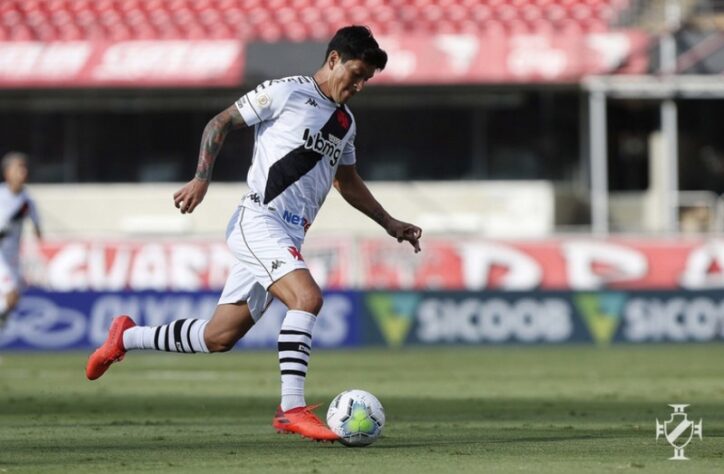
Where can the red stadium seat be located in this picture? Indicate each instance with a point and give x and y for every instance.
(296, 20)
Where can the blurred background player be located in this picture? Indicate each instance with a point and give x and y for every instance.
(304, 144)
(15, 205)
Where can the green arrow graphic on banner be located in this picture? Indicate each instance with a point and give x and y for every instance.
(394, 314)
(602, 313)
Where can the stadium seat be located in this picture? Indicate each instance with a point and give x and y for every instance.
(295, 20)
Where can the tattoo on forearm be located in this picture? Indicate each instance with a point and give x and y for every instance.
(211, 142)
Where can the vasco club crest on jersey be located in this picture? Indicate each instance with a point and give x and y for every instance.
(678, 431)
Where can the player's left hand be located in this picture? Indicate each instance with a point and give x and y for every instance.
(405, 231)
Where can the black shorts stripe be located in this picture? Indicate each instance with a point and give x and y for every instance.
(177, 325)
(188, 335)
(292, 346)
(294, 372)
(298, 333)
(156, 338)
(292, 360)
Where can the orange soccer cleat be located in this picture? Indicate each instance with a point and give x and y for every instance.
(112, 349)
(303, 421)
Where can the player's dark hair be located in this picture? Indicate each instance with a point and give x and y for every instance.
(357, 42)
(10, 157)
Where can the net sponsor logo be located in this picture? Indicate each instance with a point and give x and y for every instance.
(296, 219)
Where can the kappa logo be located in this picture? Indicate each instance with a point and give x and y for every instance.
(255, 198)
(394, 314)
(276, 264)
(601, 313)
(678, 431)
(311, 102)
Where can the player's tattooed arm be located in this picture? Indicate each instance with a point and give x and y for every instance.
(213, 139)
(192, 193)
(353, 189)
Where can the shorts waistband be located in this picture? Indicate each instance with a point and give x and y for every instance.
(254, 199)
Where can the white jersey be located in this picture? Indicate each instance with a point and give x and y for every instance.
(13, 209)
(301, 137)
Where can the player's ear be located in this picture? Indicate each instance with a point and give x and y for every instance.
(333, 59)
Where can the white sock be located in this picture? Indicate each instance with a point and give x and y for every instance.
(295, 346)
(183, 335)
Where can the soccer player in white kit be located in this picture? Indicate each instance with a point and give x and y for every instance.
(304, 144)
(15, 206)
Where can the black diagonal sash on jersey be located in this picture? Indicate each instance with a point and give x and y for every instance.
(21, 212)
(299, 161)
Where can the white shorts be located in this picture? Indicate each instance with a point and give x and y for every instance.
(265, 252)
(9, 276)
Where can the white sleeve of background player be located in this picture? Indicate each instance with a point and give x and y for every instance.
(349, 156)
(34, 215)
(263, 103)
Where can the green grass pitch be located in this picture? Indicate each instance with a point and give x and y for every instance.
(449, 410)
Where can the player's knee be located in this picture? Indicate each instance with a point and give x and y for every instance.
(222, 342)
(220, 345)
(12, 299)
(310, 302)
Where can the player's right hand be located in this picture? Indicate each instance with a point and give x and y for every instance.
(188, 197)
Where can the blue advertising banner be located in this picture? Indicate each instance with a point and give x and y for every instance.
(80, 320)
(601, 317)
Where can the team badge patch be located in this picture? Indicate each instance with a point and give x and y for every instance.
(263, 100)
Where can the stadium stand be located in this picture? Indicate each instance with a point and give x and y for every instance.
(294, 20)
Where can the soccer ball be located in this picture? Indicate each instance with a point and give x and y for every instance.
(357, 417)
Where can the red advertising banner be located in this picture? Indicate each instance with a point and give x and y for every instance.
(161, 266)
(466, 58)
(415, 59)
(345, 263)
(123, 63)
(556, 264)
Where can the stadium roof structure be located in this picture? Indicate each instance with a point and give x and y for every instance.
(657, 86)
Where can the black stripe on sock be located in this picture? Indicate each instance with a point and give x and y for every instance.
(156, 337)
(177, 325)
(296, 333)
(188, 335)
(292, 346)
(292, 360)
(168, 336)
(294, 372)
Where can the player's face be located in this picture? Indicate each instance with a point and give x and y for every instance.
(348, 78)
(16, 173)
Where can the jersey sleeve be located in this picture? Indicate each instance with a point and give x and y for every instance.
(265, 102)
(349, 155)
(34, 215)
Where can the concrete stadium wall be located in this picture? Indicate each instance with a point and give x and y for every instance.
(519, 209)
